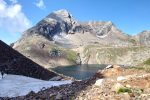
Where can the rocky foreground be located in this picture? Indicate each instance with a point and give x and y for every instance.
(112, 83)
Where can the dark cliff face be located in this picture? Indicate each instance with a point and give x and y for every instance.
(16, 63)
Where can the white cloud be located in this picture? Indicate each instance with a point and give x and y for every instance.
(40, 4)
(12, 19)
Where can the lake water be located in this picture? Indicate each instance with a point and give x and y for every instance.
(80, 72)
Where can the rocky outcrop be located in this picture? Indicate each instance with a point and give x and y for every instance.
(143, 38)
(78, 59)
(56, 23)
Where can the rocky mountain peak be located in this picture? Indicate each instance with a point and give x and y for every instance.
(56, 23)
(63, 12)
(61, 23)
(61, 15)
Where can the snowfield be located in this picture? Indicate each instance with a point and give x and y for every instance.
(16, 85)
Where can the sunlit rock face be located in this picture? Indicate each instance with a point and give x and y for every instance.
(58, 26)
(97, 42)
(144, 38)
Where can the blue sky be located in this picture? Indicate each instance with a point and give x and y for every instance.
(131, 16)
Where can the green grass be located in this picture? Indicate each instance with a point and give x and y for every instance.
(132, 41)
(143, 67)
(124, 90)
(147, 62)
(71, 55)
(137, 68)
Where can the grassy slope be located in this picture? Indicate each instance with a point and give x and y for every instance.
(115, 55)
(31, 48)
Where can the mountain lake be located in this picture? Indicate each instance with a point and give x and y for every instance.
(80, 72)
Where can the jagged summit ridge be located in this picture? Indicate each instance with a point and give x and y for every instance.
(58, 26)
(61, 22)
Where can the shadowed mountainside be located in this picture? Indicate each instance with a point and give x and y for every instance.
(16, 63)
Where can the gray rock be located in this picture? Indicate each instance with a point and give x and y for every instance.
(58, 96)
(144, 38)
(61, 22)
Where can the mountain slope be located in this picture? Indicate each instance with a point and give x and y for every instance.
(60, 35)
(45, 52)
(143, 38)
(16, 63)
(128, 56)
(62, 28)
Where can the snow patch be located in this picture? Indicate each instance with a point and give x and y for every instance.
(103, 36)
(15, 85)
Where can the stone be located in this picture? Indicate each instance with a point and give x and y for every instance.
(114, 71)
(116, 66)
(126, 96)
(99, 82)
(128, 86)
(109, 66)
(144, 96)
(58, 96)
(120, 78)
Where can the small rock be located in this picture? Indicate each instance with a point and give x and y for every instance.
(99, 82)
(116, 66)
(132, 94)
(120, 78)
(128, 86)
(109, 66)
(144, 96)
(51, 95)
(58, 96)
(126, 96)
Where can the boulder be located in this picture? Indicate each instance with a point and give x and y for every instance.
(109, 66)
(58, 96)
(99, 82)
